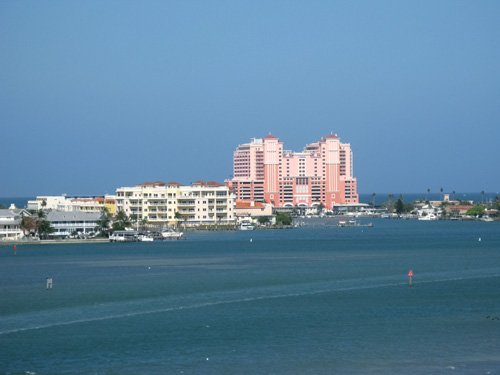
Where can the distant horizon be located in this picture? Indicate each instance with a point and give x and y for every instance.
(359, 193)
(380, 197)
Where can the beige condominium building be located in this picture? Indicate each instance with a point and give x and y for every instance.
(171, 203)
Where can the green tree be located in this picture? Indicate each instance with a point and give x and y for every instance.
(475, 211)
(263, 220)
(178, 217)
(121, 221)
(44, 229)
(2, 207)
(409, 207)
(390, 203)
(104, 221)
(400, 206)
(283, 218)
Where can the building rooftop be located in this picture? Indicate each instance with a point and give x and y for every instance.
(73, 216)
(331, 136)
(249, 204)
(270, 136)
(207, 183)
(6, 213)
(153, 183)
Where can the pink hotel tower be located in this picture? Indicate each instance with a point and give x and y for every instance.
(320, 174)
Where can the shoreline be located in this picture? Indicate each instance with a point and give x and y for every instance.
(54, 242)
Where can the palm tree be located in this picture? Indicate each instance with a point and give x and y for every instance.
(44, 228)
(427, 196)
(482, 196)
(103, 222)
(390, 203)
(373, 199)
(177, 217)
(121, 221)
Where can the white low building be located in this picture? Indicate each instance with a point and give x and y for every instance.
(10, 223)
(68, 223)
(71, 204)
(251, 210)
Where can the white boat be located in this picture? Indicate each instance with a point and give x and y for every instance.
(145, 238)
(428, 217)
(171, 235)
(353, 223)
(247, 226)
(124, 236)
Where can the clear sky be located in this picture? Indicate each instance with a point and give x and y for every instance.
(100, 94)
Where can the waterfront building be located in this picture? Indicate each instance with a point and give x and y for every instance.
(206, 203)
(171, 203)
(67, 223)
(10, 223)
(48, 202)
(247, 211)
(71, 204)
(155, 202)
(322, 174)
(92, 204)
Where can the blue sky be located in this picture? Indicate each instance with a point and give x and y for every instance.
(95, 95)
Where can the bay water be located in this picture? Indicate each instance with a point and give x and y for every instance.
(318, 299)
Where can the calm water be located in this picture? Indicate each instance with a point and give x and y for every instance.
(314, 300)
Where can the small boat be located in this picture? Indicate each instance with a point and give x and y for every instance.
(145, 238)
(428, 217)
(171, 235)
(124, 236)
(353, 223)
(247, 226)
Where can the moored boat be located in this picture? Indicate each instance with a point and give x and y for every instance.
(353, 223)
(247, 226)
(171, 235)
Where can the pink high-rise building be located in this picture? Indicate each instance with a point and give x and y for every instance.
(321, 174)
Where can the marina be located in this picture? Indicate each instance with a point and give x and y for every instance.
(148, 236)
